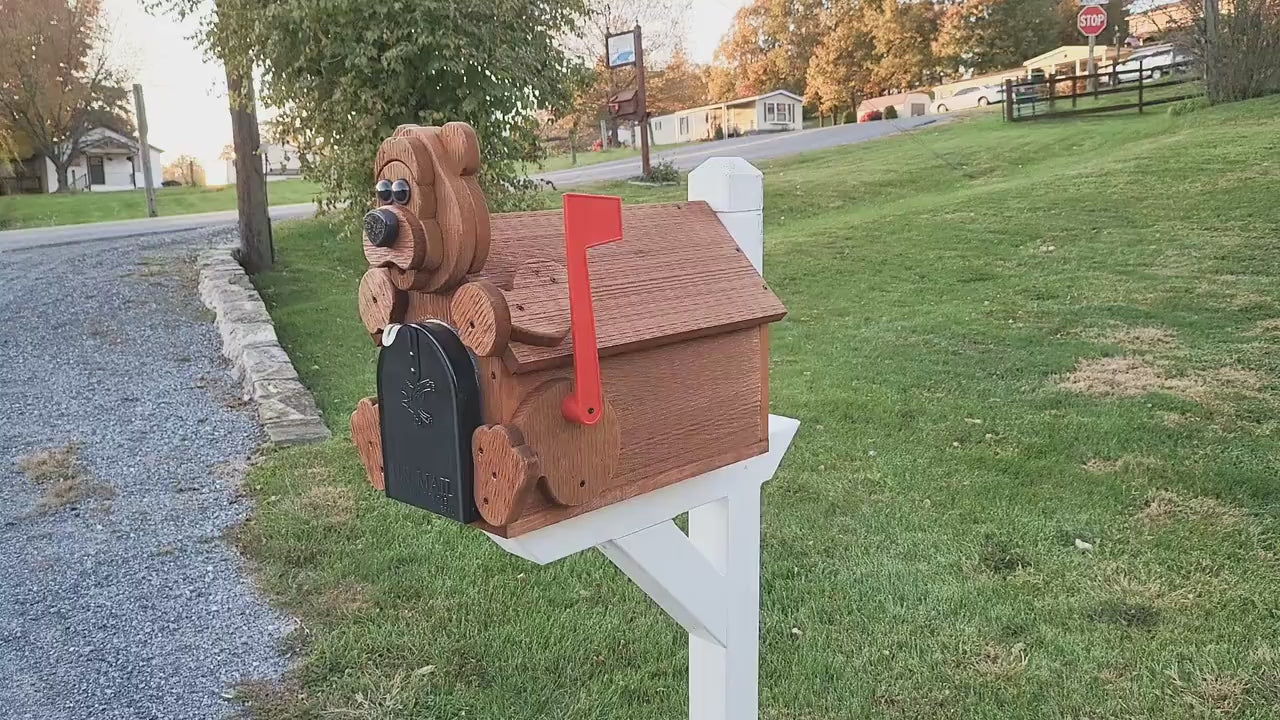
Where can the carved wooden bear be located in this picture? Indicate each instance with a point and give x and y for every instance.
(680, 328)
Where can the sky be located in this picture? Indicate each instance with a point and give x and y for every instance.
(186, 93)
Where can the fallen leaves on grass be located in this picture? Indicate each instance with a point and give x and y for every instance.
(1163, 506)
(61, 477)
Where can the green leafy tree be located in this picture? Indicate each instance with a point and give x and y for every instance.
(345, 73)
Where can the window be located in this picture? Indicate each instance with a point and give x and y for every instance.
(967, 91)
(779, 113)
(684, 126)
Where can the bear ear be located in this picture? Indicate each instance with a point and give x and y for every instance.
(463, 147)
(406, 149)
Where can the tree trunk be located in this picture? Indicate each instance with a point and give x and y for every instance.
(60, 170)
(256, 253)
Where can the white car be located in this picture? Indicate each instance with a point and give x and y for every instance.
(1154, 61)
(969, 97)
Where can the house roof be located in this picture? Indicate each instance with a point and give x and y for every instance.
(884, 101)
(1067, 52)
(739, 101)
(677, 274)
(99, 137)
(997, 76)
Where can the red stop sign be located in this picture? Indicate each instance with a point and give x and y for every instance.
(1092, 20)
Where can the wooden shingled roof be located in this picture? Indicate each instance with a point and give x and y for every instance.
(677, 274)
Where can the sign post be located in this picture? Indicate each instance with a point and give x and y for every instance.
(1091, 20)
(627, 48)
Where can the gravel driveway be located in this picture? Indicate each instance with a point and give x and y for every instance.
(119, 597)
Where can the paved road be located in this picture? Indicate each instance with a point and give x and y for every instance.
(127, 602)
(89, 232)
(755, 147)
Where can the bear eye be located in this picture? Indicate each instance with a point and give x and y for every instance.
(383, 188)
(400, 191)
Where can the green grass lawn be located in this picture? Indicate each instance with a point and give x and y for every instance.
(1004, 342)
(21, 211)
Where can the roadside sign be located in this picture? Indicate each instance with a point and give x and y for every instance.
(1094, 2)
(1092, 20)
(620, 49)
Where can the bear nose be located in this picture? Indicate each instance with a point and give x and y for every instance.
(381, 227)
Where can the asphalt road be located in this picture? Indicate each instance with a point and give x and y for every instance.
(754, 147)
(87, 232)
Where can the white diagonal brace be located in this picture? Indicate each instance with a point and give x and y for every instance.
(672, 571)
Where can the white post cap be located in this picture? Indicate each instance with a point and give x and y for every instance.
(727, 184)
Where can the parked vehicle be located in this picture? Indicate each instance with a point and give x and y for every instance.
(1153, 62)
(969, 97)
(870, 115)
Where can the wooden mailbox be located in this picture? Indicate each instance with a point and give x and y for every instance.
(534, 366)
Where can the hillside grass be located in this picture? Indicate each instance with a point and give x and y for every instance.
(1036, 476)
(24, 211)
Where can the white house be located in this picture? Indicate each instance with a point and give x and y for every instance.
(108, 161)
(280, 161)
(771, 112)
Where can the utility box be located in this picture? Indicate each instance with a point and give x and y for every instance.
(595, 368)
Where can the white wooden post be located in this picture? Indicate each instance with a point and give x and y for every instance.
(734, 188)
(708, 580)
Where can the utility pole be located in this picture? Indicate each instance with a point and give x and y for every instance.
(256, 252)
(1210, 47)
(140, 109)
(643, 105)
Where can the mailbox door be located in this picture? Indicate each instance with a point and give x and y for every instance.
(429, 402)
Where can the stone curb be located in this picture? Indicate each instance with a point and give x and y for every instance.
(286, 409)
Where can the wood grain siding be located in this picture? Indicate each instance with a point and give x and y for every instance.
(670, 431)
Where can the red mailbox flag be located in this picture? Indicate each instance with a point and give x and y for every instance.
(589, 220)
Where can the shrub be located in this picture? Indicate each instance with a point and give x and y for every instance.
(717, 133)
(1243, 58)
(1189, 105)
(849, 116)
(890, 113)
(663, 171)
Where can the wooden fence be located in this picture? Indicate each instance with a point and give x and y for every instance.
(1118, 88)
